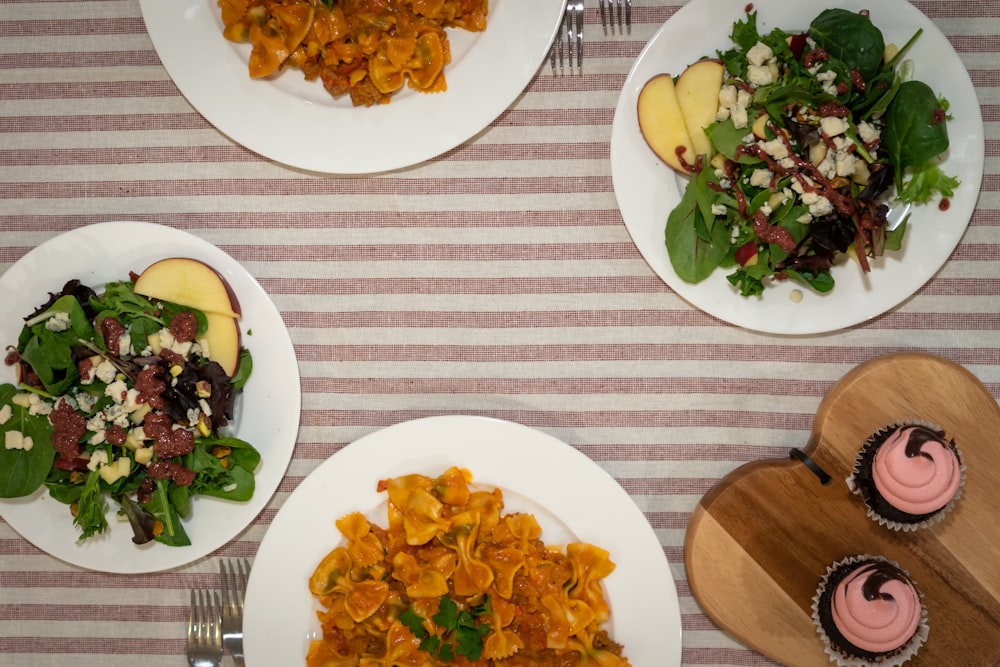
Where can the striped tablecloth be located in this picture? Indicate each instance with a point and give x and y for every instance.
(497, 279)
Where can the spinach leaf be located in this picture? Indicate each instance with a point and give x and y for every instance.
(62, 488)
(693, 257)
(159, 505)
(894, 237)
(21, 471)
(243, 370)
(851, 38)
(726, 139)
(180, 498)
(49, 351)
(230, 476)
(915, 131)
(821, 282)
(915, 135)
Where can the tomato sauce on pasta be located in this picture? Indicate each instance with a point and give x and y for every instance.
(453, 580)
(367, 49)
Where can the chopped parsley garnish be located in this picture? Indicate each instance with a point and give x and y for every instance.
(461, 633)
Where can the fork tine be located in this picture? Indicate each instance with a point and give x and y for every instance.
(204, 638)
(568, 43)
(557, 45)
(579, 35)
(616, 13)
(205, 620)
(227, 596)
(233, 583)
(212, 618)
(552, 53)
(244, 577)
(568, 30)
(570, 16)
(240, 574)
(215, 623)
(194, 617)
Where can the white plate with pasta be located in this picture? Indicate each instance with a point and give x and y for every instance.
(296, 122)
(572, 498)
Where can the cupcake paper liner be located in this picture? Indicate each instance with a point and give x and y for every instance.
(841, 656)
(875, 440)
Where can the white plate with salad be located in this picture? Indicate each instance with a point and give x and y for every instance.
(648, 190)
(265, 413)
(582, 503)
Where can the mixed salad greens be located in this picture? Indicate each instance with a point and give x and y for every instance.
(116, 400)
(817, 134)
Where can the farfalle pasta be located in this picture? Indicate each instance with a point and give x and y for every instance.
(367, 49)
(452, 579)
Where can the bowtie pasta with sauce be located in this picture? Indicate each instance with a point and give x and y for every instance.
(368, 49)
(452, 579)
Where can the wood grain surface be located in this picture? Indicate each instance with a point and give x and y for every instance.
(760, 540)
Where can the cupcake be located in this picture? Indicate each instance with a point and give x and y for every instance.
(868, 611)
(909, 475)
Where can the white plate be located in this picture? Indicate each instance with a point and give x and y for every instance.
(296, 122)
(267, 414)
(647, 190)
(572, 498)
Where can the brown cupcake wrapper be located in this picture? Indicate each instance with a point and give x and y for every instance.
(876, 439)
(840, 656)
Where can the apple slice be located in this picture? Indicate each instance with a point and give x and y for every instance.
(662, 124)
(746, 254)
(222, 341)
(697, 90)
(759, 126)
(188, 282)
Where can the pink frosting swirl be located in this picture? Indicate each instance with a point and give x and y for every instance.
(916, 471)
(876, 607)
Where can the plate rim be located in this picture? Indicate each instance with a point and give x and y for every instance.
(720, 301)
(114, 551)
(391, 451)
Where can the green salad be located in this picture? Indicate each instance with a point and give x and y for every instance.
(118, 408)
(817, 135)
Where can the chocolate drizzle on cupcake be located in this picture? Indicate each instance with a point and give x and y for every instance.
(908, 475)
(868, 612)
(918, 437)
(872, 588)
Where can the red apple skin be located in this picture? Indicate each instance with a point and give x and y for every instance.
(746, 254)
(161, 280)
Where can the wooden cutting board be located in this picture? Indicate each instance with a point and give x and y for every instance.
(760, 540)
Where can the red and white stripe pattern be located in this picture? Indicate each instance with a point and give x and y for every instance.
(497, 279)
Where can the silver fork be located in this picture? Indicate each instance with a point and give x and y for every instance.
(204, 639)
(616, 10)
(233, 582)
(570, 36)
